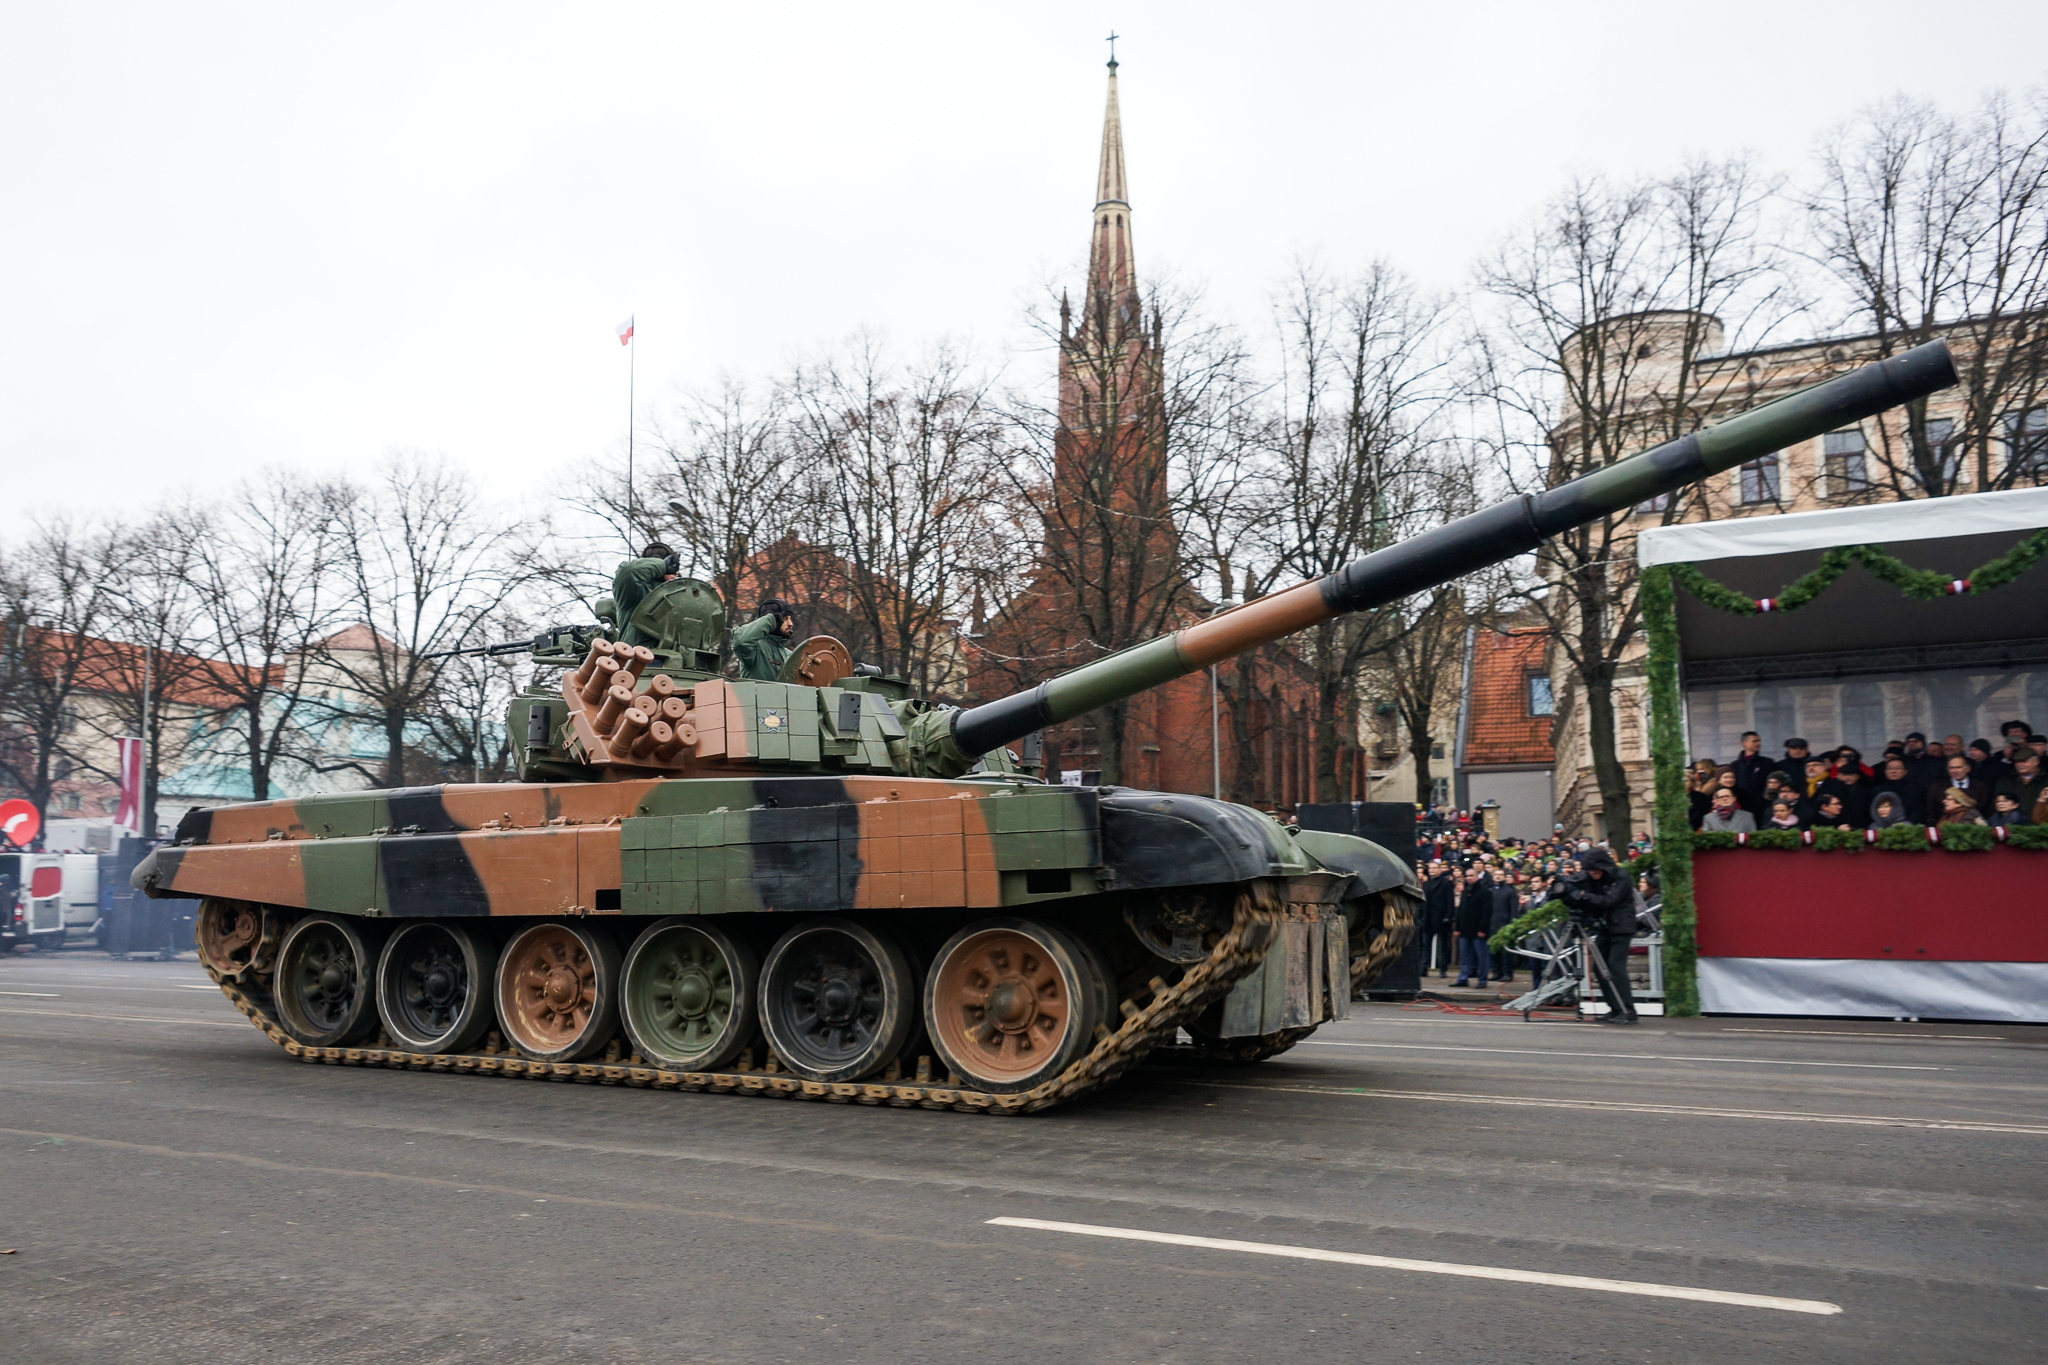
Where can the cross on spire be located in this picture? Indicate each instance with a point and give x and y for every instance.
(1113, 36)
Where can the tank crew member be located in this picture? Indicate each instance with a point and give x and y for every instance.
(763, 643)
(636, 578)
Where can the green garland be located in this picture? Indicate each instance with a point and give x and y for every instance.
(1925, 585)
(1667, 761)
(1892, 839)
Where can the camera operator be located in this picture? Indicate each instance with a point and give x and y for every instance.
(1603, 904)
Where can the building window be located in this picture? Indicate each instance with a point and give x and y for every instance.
(1948, 454)
(1863, 716)
(1541, 702)
(1439, 791)
(1436, 751)
(1653, 506)
(71, 801)
(2026, 442)
(1846, 463)
(1774, 715)
(1760, 481)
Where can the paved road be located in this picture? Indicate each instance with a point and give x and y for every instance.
(178, 1190)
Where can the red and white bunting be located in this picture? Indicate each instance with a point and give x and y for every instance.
(626, 332)
(1766, 604)
(128, 814)
(1958, 586)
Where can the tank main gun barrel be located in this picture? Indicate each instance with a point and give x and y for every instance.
(1491, 536)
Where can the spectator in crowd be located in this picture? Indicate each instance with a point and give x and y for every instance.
(1887, 809)
(1784, 817)
(2014, 733)
(2005, 810)
(1751, 768)
(1439, 913)
(1918, 762)
(1475, 914)
(1952, 746)
(1727, 816)
(1796, 754)
(2026, 784)
(1699, 791)
(1507, 904)
(1778, 787)
(1961, 778)
(1815, 777)
(1848, 783)
(1724, 780)
(1900, 780)
(1832, 814)
(1983, 766)
(1849, 757)
(1958, 807)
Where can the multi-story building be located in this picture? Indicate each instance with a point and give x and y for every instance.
(1676, 359)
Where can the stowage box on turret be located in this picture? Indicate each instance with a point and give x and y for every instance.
(823, 886)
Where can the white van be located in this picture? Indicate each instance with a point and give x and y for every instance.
(48, 898)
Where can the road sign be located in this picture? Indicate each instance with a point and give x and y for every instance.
(19, 822)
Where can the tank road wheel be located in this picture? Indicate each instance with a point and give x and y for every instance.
(558, 991)
(434, 986)
(230, 937)
(837, 1000)
(323, 987)
(1011, 1003)
(689, 996)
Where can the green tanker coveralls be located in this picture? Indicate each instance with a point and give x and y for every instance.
(760, 650)
(630, 586)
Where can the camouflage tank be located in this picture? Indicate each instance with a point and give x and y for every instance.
(823, 886)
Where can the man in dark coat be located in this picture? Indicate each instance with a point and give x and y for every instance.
(1751, 768)
(1899, 778)
(1848, 784)
(1475, 914)
(2026, 783)
(1507, 906)
(1601, 900)
(1794, 761)
(1439, 911)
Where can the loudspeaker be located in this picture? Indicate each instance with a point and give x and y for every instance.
(1391, 825)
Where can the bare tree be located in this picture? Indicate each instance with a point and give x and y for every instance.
(1931, 225)
(1604, 307)
(1355, 447)
(258, 572)
(418, 568)
(904, 467)
(149, 670)
(57, 593)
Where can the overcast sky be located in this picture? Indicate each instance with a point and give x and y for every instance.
(238, 235)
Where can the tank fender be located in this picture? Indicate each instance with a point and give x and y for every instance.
(1157, 839)
(1372, 867)
(156, 870)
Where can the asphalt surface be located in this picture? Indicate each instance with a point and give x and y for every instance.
(176, 1189)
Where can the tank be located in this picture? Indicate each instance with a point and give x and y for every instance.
(822, 886)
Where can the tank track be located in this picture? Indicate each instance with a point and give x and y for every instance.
(1397, 926)
(1258, 913)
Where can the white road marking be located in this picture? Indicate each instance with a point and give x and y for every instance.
(1625, 1056)
(127, 1018)
(1850, 1033)
(1476, 1272)
(1626, 1107)
(38, 995)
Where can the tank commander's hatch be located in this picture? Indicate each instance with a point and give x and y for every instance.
(682, 618)
(818, 662)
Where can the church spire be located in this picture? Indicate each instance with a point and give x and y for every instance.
(1110, 268)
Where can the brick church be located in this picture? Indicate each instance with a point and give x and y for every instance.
(1110, 574)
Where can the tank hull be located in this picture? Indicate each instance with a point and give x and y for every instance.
(1271, 938)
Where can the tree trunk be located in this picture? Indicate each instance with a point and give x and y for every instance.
(1607, 770)
(394, 737)
(1418, 749)
(259, 767)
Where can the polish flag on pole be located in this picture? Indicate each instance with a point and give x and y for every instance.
(626, 332)
(128, 815)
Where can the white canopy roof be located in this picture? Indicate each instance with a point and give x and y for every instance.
(2016, 510)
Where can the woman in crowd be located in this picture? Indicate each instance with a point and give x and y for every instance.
(1783, 816)
(1959, 808)
(1699, 790)
(1888, 808)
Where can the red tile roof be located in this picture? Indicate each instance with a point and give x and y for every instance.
(1499, 728)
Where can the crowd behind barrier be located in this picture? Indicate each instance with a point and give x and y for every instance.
(1474, 886)
(1913, 782)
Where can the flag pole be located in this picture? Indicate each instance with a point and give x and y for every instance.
(631, 360)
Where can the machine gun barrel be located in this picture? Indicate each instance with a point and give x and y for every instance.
(1490, 536)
